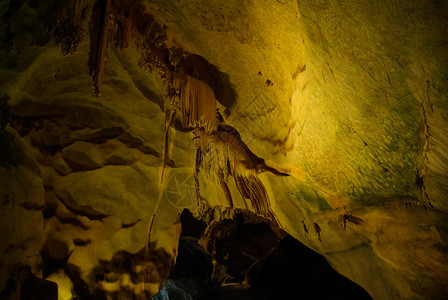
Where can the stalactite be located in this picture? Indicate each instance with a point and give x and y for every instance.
(198, 104)
(169, 115)
(99, 29)
(192, 88)
(124, 28)
(240, 152)
(202, 204)
(250, 187)
(225, 189)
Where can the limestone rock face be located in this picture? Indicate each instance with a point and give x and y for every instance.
(80, 178)
(23, 198)
(327, 118)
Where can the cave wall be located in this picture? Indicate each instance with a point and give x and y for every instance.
(332, 124)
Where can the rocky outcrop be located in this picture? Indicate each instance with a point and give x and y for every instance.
(22, 198)
(80, 177)
(244, 256)
(327, 119)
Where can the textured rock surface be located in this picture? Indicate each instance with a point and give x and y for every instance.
(81, 187)
(332, 124)
(22, 195)
(246, 257)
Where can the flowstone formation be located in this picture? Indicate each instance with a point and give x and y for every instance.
(326, 119)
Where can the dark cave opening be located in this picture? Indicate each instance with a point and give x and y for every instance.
(249, 258)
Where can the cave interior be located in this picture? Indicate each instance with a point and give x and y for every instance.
(211, 149)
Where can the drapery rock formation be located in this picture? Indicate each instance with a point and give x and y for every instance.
(327, 118)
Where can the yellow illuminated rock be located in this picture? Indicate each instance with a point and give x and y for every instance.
(328, 118)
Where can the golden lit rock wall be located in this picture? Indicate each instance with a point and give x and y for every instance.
(347, 98)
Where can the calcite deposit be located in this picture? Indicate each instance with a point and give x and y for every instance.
(323, 121)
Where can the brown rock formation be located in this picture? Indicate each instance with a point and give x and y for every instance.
(328, 119)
